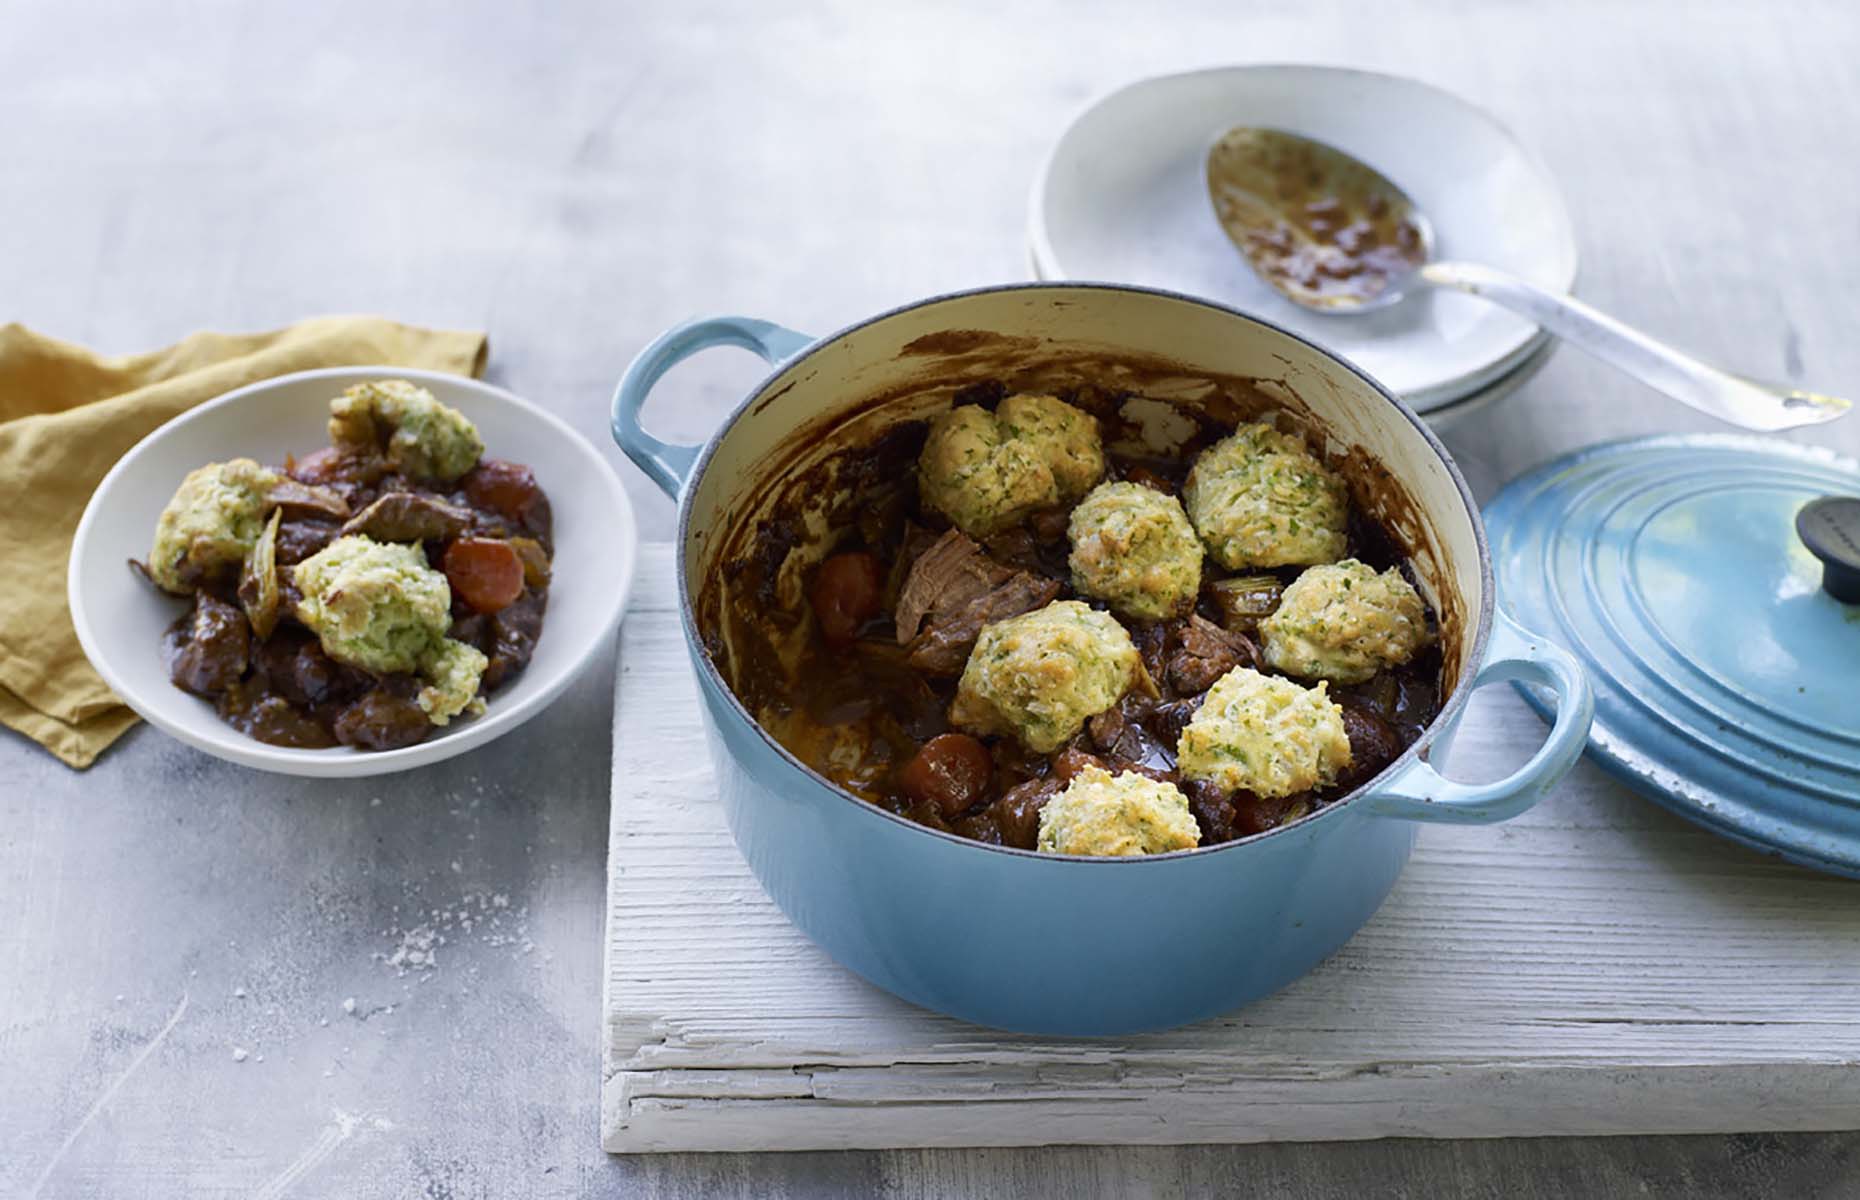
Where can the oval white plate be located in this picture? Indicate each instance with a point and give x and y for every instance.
(120, 617)
(1122, 198)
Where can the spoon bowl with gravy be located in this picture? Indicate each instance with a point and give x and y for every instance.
(1333, 235)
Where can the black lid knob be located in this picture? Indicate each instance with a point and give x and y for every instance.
(1830, 528)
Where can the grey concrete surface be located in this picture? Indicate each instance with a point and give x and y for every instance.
(573, 177)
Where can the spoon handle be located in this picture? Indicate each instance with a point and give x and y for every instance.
(1750, 403)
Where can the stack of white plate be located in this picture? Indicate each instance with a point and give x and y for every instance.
(1122, 198)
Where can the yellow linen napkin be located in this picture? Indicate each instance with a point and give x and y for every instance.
(66, 416)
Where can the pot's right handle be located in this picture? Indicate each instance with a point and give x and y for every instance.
(1420, 793)
(665, 463)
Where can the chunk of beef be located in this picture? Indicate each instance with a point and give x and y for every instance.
(1374, 744)
(1121, 736)
(410, 517)
(1015, 549)
(300, 499)
(950, 573)
(513, 635)
(1152, 642)
(1167, 721)
(943, 647)
(1201, 652)
(474, 629)
(1115, 734)
(951, 591)
(1049, 525)
(1256, 814)
(1068, 763)
(1017, 812)
(925, 813)
(1213, 810)
(913, 543)
(1025, 548)
(1149, 479)
(300, 538)
(983, 826)
(351, 476)
(207, 648)
(294, 666)
(289, 597)
(539, 521)
(386, 717)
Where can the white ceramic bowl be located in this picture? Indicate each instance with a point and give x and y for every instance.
(120, 616)
(1123, 198)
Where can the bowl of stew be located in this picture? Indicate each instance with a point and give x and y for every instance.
(515, 557)
(1016, 619)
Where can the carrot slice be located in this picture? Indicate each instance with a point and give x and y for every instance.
(487, 573)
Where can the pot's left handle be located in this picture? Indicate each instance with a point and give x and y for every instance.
(668, 464)
(1420, 793)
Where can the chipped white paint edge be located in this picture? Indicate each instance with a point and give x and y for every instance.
(1595, 966)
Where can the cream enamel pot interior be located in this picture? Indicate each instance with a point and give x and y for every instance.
(1040, 943)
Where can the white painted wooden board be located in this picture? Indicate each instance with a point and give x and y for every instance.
(1593, 967)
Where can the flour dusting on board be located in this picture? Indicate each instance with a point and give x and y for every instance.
(486, 916)
(418, 950)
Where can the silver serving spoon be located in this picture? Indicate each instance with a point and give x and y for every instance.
(1331, 234)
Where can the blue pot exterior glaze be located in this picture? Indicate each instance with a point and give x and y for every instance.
(1640, 554)
(1059, 946)
(1040, 944)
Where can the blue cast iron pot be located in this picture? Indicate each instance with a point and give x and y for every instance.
(1039, 943)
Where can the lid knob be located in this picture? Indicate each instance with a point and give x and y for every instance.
(1830, 528)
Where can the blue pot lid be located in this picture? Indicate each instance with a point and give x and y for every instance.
(1727, 681)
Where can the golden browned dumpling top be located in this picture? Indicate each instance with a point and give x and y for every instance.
(1344, 622)
(988, 471)
(1040, 676)
(1259, 498)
